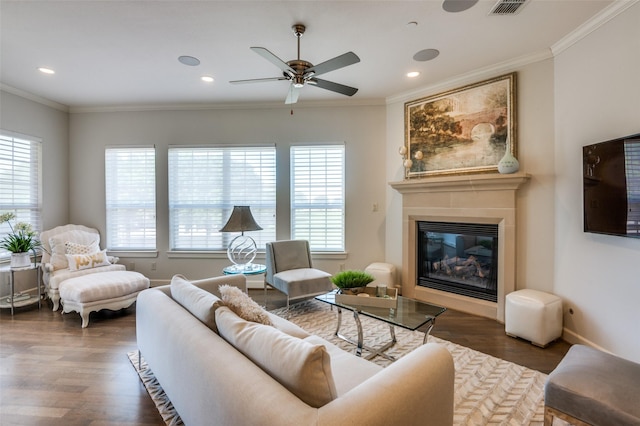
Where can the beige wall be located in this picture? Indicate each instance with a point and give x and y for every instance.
(362, 128)
(597, 87)
(51, 125)
(587, 93)
(535, 221)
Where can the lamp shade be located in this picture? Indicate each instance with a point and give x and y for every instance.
(241, 220)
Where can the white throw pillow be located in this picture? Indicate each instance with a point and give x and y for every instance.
(243, 305)
(301, 367)
(58, 247)
(76, 248)
(200, 303)
(78, 262)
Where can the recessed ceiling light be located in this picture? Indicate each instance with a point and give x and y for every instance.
(207, 78)
(189, 60)
(426, 55)
(46, 70)
(412, 24)
(458, 5)
(413, 74)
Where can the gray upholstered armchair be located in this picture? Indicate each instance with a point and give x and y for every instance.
(290, 270)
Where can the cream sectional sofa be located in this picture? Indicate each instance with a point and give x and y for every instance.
(211, 382)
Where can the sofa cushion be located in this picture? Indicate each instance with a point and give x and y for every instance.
(200, 303)
(301, 367)
(78, 262)
(348, 370)
(244, 306)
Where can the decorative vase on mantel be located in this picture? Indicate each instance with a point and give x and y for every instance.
(508, 164)
(20, 260)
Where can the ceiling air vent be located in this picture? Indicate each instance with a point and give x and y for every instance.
(507, 7)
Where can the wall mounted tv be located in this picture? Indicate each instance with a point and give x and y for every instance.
(611, 184)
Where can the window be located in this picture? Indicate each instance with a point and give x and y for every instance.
(20, 181)
(130, 176)
(317, 196)
(205, 182)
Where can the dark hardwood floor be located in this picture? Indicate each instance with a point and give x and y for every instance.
(53, 372)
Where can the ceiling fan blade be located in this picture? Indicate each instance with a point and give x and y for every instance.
(273, 59)
(292, 97)
(258, 80)
(334, 87)
(338, 62)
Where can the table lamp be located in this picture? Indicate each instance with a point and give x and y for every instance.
(242, 249)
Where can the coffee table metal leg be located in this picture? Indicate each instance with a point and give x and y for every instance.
(432, 322)
(360, 342)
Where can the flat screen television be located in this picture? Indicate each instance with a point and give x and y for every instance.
(611, 183)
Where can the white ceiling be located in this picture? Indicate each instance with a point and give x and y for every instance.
(124, 53)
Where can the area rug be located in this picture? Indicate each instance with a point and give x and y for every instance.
(488, 390)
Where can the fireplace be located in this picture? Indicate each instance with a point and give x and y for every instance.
(460, 258)
(473, 200)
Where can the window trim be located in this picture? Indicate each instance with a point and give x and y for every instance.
(132, 251)
(220, 252)
(38, 225)
(321, 250)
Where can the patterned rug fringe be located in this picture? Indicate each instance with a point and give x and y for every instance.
(488, 390)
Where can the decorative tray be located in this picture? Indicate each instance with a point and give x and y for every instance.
(391, 301)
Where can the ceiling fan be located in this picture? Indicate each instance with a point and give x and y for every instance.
(301, 73)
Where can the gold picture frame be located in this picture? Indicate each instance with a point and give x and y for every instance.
(462, 131)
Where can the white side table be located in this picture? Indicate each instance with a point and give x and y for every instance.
(16, 301)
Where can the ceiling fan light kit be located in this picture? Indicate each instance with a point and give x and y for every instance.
(300, 72)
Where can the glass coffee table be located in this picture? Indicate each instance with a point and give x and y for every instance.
(409, 313)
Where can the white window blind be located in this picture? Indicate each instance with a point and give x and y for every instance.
(317, 196)
(20, 181)
(205, 182)
(130, 176)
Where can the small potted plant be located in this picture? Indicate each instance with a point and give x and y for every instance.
(20, 241)
(351, 282)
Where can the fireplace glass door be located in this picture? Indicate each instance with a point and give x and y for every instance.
(460, 258)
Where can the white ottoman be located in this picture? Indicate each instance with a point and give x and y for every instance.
(384, 273)
(113, 290)
(533, 315)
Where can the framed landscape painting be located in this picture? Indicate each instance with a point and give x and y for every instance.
(466, 130)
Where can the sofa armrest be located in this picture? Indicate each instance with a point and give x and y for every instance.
(416, 390)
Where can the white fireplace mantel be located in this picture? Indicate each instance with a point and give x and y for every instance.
(484, 182)
(481, 198)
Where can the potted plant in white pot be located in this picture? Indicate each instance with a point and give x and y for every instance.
(20, 241)
(351, 281)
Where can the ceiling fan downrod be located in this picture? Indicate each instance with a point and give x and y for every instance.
(298, 30)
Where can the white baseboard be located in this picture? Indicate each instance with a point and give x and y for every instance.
(255, 281)
(576, 339)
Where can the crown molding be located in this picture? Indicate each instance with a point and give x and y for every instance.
(34, 98)
(475, 75)
(598, 20)
(228, 106)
